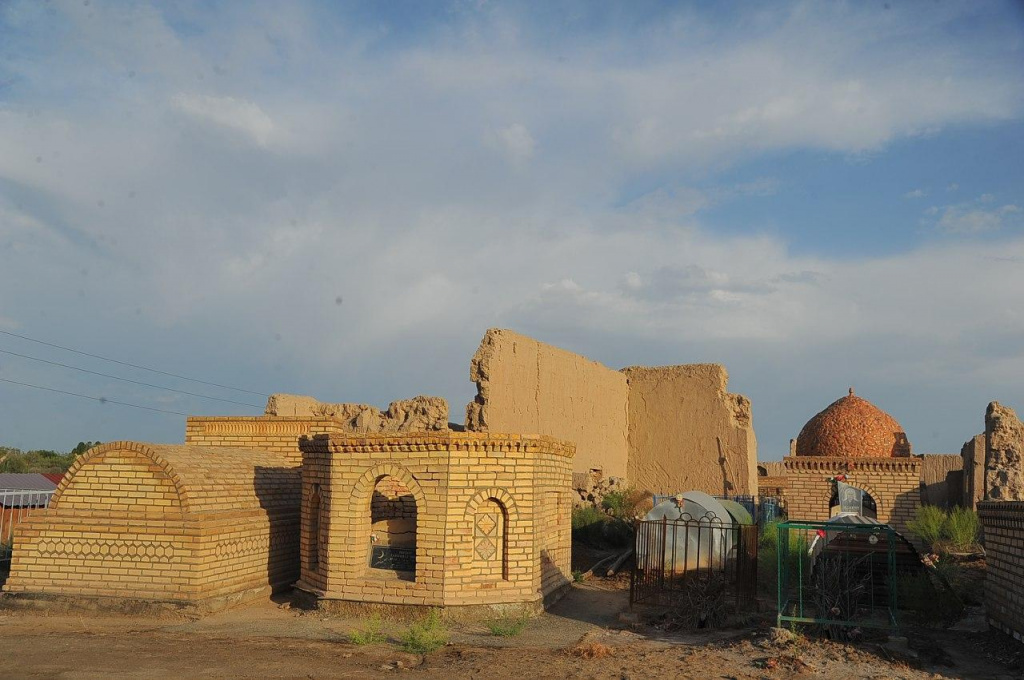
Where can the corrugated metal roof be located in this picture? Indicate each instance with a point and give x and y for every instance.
(26, 481)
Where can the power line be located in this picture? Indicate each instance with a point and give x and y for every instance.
(128, 380)
(125, 363)
(102, 400)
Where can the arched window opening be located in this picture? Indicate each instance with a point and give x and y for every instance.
(393, 528)
(854, 500)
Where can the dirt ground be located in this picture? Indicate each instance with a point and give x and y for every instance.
(581, 637)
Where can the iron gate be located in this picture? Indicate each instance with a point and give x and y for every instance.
(670, 554)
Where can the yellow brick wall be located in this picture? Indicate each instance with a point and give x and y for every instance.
(456, 479)
(277, 434)
(894, 484)
(1003, 522)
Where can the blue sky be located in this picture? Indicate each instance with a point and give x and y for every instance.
(338, 199)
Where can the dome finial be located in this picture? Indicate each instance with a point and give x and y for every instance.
(851, 391)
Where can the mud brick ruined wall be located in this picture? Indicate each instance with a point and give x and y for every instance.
(419, 414)
(973, 455)
(665, 429)
(942, 479)
(179, 524)
(894, 484)
(492, 517)
(1003, 523)
(1004, 454)
(687, 432)
(527, 386)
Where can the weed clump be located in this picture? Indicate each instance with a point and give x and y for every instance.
(370, 633)
(425, 636)
(507, 626)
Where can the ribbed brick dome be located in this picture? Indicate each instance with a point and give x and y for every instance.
(852, 427)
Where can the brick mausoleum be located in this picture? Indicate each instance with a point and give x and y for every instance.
(855, 441)
(450, 519)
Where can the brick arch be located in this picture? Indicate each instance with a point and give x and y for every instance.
(508, 525)
(135, 447)
(497, 493)
(864, 486)
(364, 486)
(360, 512)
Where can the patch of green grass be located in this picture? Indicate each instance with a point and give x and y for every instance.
(928, 524)
(508, 626)
(370, 633)
(961, 528)
(577, 576)
(425, 636)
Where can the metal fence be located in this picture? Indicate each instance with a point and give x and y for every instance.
(841, 576)
(15, 506)
(671, 555)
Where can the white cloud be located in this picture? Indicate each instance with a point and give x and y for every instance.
(235, 114)
(517, 142)
(916, 193)
(248, 176)
(973, 217)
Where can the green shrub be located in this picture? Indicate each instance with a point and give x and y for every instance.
(961, 529)
(577, 576)
(928, 524)
(508, 626)
(595, 528)
(370, 633)
(585, 515)
(628, 504)
(425, 636)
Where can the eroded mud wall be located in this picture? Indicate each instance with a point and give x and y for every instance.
(526, 386)
(687, 432)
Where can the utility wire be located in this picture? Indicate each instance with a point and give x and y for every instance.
(125, 363)
(134, 382)
(102, 400)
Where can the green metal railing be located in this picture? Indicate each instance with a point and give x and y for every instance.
(838, 575)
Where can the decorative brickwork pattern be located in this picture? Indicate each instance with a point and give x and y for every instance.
(167, 523)
(492, 517)
(1003, 522)
(852, 427)
(894, 484)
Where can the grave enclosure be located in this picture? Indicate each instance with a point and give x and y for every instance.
(360, 508)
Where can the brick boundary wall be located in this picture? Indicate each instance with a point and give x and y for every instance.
(1003, 523)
